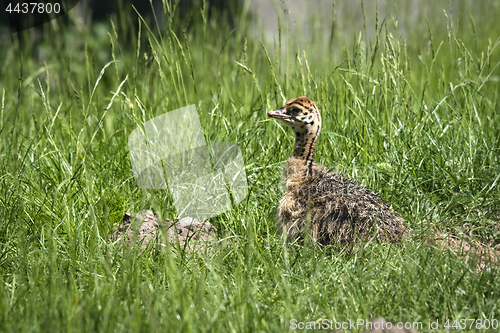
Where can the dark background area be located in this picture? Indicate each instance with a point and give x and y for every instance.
(98, 11)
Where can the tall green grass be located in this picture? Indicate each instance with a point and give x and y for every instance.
(412, 114)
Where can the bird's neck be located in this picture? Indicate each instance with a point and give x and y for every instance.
(305, 143)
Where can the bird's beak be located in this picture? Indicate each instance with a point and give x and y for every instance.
(278, 114)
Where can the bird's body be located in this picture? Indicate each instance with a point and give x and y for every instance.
(333, 208)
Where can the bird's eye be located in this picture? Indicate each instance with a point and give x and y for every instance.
(293, 110)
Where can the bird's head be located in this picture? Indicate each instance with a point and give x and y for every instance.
(300, 114)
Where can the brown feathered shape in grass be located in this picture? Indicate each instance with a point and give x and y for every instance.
(333, 208)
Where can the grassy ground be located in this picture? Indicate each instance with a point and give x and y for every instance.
(412, 115)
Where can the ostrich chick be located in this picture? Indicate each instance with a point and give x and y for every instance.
(333, 208)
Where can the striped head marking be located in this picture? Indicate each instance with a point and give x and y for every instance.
(300, 114)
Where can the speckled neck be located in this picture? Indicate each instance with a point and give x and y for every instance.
(305, 143)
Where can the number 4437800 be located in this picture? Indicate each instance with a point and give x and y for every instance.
(463, 324)
(34, 8)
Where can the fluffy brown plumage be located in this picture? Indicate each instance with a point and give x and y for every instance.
(333, 208)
